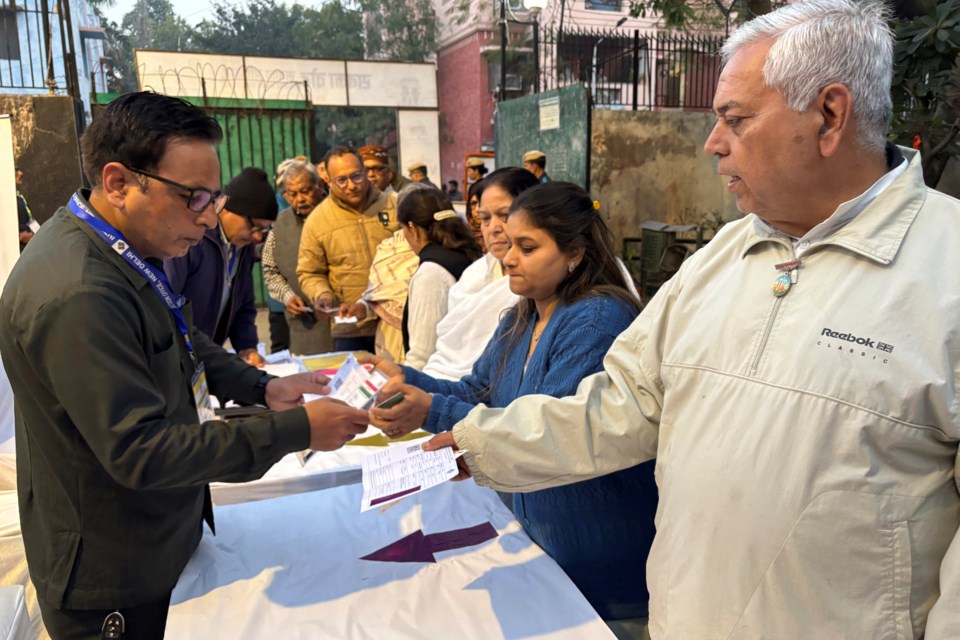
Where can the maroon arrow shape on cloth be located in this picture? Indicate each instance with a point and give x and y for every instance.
(418, 547)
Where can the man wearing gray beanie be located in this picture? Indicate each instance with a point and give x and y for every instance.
(217, 274)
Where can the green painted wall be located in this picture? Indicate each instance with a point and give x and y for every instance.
(567, 147)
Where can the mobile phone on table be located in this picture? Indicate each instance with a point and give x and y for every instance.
(390, 401)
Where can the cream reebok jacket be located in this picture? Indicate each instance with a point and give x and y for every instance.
(806, 445)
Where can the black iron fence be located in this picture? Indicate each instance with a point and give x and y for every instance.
(37, 47)
(633, 69)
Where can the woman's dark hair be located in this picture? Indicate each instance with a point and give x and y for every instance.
(513, 180)
(419, 206)
(136, 128)
(567, 213)
(474, 190)
(481, 169)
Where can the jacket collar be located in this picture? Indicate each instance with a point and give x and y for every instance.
(135, 278)
(878, 231)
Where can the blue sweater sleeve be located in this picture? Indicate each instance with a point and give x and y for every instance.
(453, 400)
(579, 342)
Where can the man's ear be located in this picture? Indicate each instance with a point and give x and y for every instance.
(835, 106)
(115, 182)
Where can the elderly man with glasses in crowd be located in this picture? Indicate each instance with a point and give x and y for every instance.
(376, 162)
(303, 189)
(217, 274)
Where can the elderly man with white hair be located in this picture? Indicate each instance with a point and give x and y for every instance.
(796, 381)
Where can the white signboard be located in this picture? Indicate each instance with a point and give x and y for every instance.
(335, 83)
(418, 133)
(283, 78)
(550, 113)
(392, 84)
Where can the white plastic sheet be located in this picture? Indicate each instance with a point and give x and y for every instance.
(290, 568)
(14, 621)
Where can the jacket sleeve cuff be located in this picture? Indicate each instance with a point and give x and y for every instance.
(292, 428)
(471, 455)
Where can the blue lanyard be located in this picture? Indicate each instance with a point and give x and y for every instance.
(157, 279)
(233, 260)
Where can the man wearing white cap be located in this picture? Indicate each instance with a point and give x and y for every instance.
(536, 163)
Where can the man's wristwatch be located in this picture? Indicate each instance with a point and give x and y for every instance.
(260, 389)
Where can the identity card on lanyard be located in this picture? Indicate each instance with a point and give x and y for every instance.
(158, 280)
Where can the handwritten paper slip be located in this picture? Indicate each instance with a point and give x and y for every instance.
(402, 470)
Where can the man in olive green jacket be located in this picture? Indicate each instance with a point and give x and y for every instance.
(115, 443)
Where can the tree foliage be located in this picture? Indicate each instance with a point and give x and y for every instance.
(402, 31)
(926, 86)
(266, 28)
(150, 24)
(702, 14)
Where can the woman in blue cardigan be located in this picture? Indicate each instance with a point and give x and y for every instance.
(575, 303)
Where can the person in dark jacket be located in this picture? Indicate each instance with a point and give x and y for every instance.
(217, 274)
(115, 448)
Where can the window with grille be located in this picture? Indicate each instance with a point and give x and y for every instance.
(603, 5)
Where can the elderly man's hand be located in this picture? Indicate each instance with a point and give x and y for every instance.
(333, 423)
(287, 392)
(296, 306)
(445, 439)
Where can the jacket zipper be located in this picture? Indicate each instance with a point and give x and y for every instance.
(773, 317)
(766, 335)
(366, 242)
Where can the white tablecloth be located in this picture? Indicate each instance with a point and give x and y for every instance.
(290, 568)
(324, 469)
(14, 620)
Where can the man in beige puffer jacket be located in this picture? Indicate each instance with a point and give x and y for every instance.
(339, 241)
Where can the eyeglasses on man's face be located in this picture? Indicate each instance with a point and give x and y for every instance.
(198, 198)
(257, 228)
(355, 178)
(378, 168)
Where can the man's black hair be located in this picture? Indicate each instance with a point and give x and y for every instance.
(136, 128)
(338, 152)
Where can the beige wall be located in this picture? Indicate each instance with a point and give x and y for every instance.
(647, 165)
